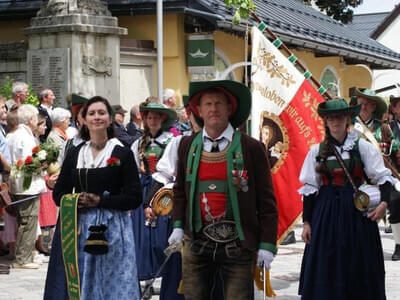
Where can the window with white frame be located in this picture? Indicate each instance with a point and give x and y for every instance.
(330, 81)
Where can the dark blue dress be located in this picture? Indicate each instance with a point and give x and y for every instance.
(150, 242)
(344, 259)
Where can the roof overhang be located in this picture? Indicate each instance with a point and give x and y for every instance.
(320, 48)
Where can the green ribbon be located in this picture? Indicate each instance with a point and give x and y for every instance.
(69, 237)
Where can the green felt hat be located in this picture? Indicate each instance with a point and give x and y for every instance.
(381, 106)
(78, 99)
(160, 108)
(238, 94)
(336, 107)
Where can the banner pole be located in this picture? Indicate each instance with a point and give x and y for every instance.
(321, 89)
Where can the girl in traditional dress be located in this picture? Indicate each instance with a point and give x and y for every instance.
(343, 257)
(105, 175)
(151, 238)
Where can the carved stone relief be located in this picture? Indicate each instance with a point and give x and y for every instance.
(97, 65)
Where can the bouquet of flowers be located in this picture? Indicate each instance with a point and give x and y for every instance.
(43, 158)
(47, 153)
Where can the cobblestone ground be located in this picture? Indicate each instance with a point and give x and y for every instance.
(29, 284)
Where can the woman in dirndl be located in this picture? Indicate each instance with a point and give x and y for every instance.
(343, 257)
(151, 236)
(105, 175)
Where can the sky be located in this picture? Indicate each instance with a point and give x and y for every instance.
(373, 6)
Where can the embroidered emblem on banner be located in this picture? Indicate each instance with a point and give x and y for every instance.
(273, 135)
(268, 60)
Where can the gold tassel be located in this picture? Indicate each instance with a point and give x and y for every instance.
(258, 279)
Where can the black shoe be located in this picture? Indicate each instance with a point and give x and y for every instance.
(388, 229)
(396, 253)
(289, 239)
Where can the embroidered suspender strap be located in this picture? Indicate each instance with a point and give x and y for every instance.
(193, 162)
(234, 153)
(361, 199)
(69, 233)
(346, 171)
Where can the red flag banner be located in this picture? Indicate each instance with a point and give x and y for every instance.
(284, 117)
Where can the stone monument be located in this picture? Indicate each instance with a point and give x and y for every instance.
(74, 46)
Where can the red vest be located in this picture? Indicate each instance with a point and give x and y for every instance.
(212, 167)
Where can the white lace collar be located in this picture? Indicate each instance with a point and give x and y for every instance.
(85, 157)
(351, 140)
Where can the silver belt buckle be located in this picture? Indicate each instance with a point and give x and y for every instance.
(221, 232)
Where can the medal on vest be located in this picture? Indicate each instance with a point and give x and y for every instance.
(240, 180)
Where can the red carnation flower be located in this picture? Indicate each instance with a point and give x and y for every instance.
(113, 161)
(35, 149)
(28, 160)
(19, 163)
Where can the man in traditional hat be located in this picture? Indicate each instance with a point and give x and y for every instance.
(224, 200)
(119, 114)
(394, 207)
(373, 108)
(120, 131)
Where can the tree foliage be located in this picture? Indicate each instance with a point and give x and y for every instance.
(5, 90)
(337, 9)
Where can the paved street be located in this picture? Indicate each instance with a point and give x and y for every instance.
(28, 284)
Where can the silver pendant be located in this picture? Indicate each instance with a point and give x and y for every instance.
(209, 218)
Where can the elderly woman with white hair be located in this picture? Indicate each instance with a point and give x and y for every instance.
(60, 117)
(21, 144)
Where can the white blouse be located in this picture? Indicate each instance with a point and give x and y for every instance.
(85, 157)
(374, 166)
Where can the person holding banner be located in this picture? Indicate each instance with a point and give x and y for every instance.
(103, 176)
(343, 258)
(224, 199)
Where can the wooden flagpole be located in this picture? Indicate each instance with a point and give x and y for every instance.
(292, 58)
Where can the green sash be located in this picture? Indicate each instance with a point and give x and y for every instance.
(69, 232)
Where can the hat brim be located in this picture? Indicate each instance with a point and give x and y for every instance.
(352, 110)
(238, 90)
(78, 99)
(381, 106)
(171, 115)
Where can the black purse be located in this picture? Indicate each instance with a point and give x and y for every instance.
(96, 243)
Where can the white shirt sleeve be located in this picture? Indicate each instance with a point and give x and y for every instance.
(166, 166)
(374, 166)
(309, 177)
(135, 150)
